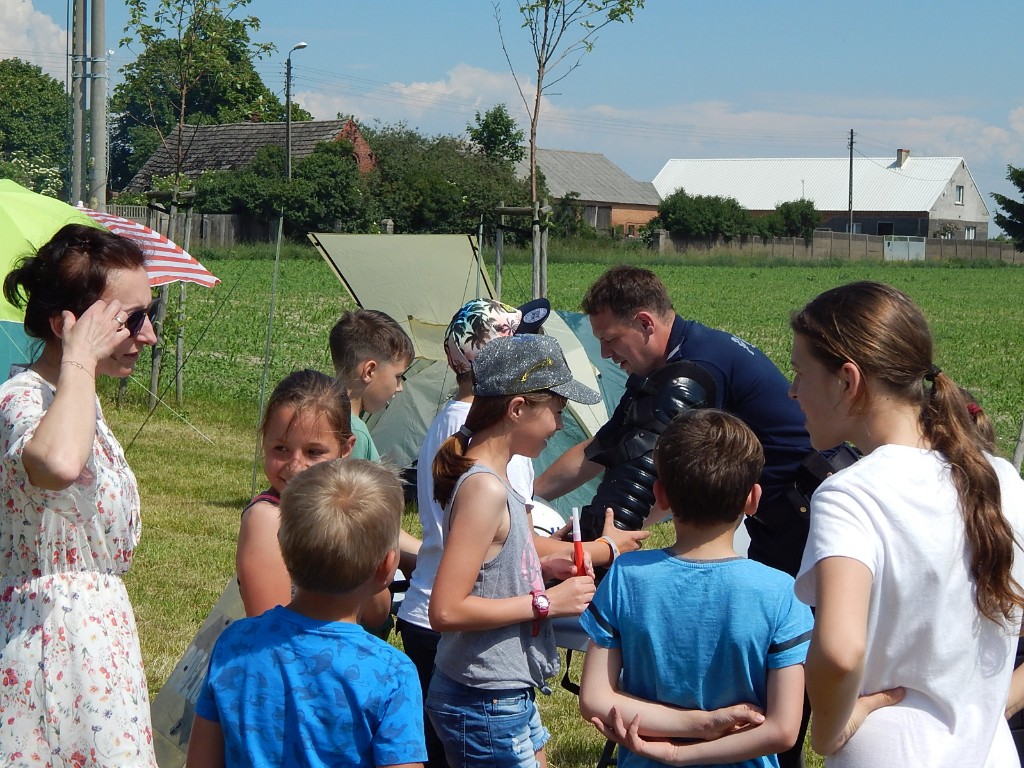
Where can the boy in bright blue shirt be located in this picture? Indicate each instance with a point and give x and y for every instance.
(695, 626)
(304, 684)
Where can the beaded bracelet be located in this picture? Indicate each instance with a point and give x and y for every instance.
(611, 545)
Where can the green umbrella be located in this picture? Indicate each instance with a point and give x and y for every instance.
(27, 220)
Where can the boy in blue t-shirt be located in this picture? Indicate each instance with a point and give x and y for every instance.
(304, 684)
(695, 626)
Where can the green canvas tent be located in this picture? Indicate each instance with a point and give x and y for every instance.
(421, 281)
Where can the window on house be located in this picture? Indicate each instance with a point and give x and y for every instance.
(885, 228)
(631, 230)
(970, 233)
(959, 195)
(856, 227)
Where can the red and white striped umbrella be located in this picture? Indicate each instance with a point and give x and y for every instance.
(166, 262)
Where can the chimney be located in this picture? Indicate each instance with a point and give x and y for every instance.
(901, 157)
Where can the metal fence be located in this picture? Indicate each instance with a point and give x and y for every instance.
(828, 245)
(226, 230)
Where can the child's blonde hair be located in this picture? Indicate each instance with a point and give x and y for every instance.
(339, 520)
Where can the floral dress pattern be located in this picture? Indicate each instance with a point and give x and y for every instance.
(73, 690)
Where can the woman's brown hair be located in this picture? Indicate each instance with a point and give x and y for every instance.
(69, 272)
(879, 329)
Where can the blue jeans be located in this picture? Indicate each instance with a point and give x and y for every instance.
(485, 728)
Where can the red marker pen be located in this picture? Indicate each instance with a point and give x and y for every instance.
(577, 543)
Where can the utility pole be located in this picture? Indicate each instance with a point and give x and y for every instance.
(78, 58)
(851, 189)
(98, 107)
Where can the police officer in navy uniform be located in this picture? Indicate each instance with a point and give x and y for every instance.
(675, 364)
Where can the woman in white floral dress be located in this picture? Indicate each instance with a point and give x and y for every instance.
(73, 691)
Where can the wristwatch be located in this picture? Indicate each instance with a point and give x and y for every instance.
(541, 608)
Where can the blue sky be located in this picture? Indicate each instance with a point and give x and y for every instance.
(734, 78)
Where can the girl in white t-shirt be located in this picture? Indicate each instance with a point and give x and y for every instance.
(911, 561)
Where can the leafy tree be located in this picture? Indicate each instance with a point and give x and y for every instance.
(34, 126)
(326, 192)
(33, 173)
(704, 217)
(497, 135)
(798, 218)
(567, 218)
(1012, 218)
(435, 184)
(561, 33)
(196, 67)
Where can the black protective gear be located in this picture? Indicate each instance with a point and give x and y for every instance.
(625, 446)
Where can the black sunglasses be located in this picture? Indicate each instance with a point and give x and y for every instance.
(134, 322)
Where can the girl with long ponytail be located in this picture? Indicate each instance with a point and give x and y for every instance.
(913, 562)
(488, 599)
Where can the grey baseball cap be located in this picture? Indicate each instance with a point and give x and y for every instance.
(516, 365)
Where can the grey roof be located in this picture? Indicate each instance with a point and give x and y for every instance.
(230, 146)
(592, 175)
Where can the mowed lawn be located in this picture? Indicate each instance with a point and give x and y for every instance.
(195, 462)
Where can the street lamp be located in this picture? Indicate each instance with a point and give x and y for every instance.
(288, 111)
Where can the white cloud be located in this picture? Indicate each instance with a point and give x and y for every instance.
(1016, 120)
(441, 106)
(640, 140)
(32, 36)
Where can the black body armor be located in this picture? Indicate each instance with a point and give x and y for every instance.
(626, 448)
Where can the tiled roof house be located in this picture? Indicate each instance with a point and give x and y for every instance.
(233, 146)
(610, 197)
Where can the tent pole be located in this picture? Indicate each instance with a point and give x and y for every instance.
(479, 253)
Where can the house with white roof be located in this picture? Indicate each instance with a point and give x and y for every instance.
(915, 196)
(610, 197)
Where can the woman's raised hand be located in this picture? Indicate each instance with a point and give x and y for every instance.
(95, 334)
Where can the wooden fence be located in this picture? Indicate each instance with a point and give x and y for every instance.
(827, 245)
(208, 229)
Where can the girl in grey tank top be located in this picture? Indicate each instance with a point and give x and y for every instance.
(489, 601)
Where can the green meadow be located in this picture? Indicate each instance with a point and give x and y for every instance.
(194, 462)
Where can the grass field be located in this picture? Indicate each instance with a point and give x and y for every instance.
(194, 466)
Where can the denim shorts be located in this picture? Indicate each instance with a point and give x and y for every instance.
(485, 728)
